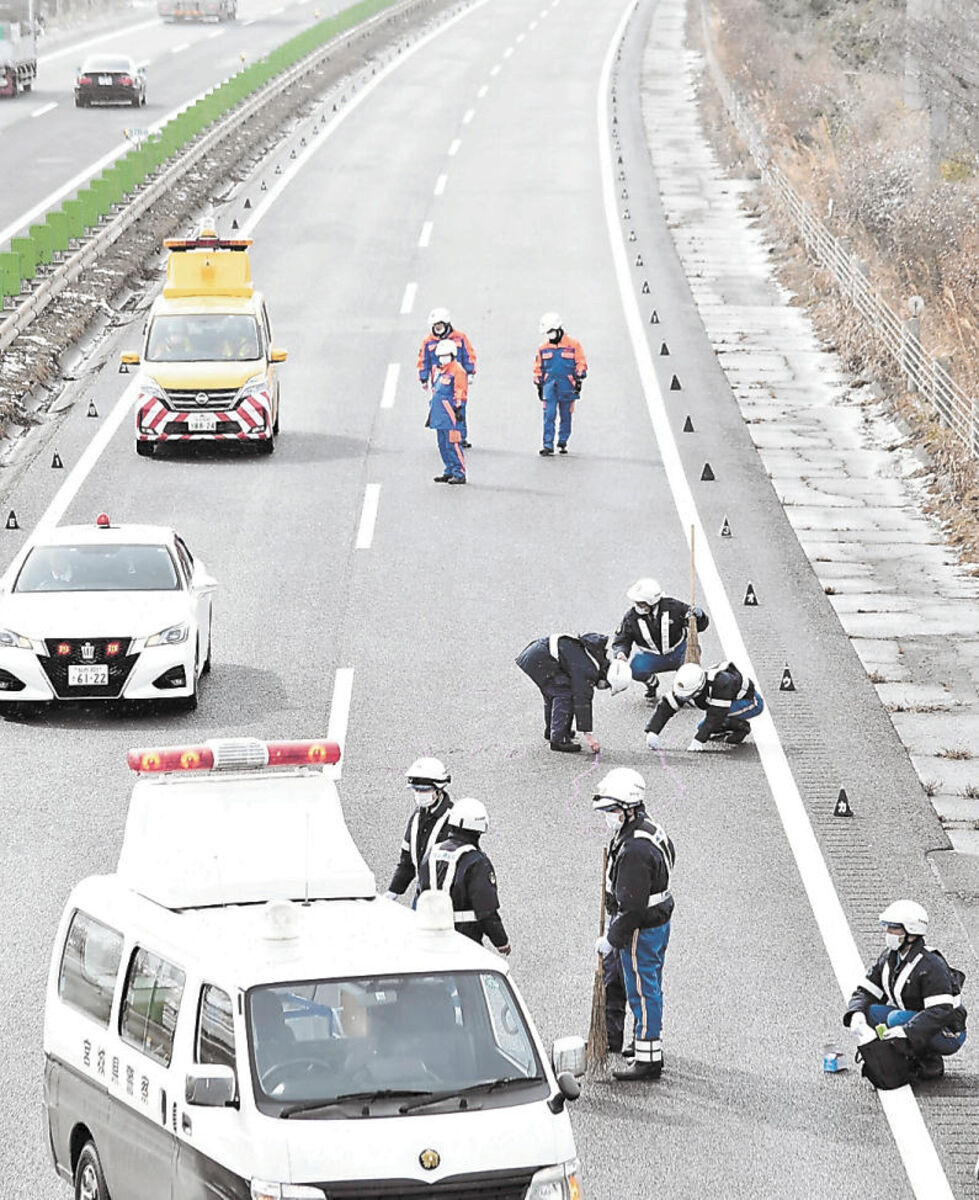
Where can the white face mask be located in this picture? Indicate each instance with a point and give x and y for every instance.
(613, 821)
(893, 941)
(444, 360)
(424, 798)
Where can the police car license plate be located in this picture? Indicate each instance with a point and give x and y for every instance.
(96, 675)
(202, 422)
(105, 81)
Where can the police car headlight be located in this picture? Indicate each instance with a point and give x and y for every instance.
(263, 1190)
(173, 635)
(557, 1183)
(9, 639)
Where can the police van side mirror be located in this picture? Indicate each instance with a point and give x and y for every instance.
(568, 1055)
(211, 1086)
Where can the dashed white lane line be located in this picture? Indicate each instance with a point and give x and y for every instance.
(216, 33)
(495, 70)
(425, 237)
(245, 24)
(408, 300)
(390, 389)
(468, 115)
(45, 108)
(482, 91)
(276, 11)
(545, 12)
(454, 147)
(440, 184)
(520, 37)
(368, 516)
(44, 59)
(532, 25)
(918, 1153)
(507, 52)
(179, 49)
(343, 690)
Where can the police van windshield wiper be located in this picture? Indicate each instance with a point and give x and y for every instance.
(366, 1098)
(487, 1086)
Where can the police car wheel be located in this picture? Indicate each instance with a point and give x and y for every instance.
(89, 1179)
(144, 449)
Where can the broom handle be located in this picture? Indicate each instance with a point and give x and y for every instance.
(601, 919)
(693, 570)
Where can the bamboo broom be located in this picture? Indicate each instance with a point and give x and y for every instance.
(596, 1054)
(693, 640)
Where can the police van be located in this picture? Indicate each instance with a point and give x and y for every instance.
(236, 1014)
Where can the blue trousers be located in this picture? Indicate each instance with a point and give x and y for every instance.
(553, 406)
(646, 664)
(642, 969)
(742, 710)
(453, 458)
(941, 1043)
(558, 707)
(463, 427)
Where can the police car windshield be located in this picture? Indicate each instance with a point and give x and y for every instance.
(372, 1042)
(204, 337)
(115, 568)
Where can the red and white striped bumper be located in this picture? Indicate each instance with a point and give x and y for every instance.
(249, 421)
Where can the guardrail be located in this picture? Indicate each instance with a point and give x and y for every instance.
(131, 178)
(923, 372)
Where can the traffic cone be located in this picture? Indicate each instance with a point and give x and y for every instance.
(675, 385)
(56, 463)
(654, 317)
(664, 350)
(787, 684)
(12, 520)
(92, 410)
(726, 528)
(842, 808)
(645, 287)
(707, 474)
(750, 599)
(688, 425)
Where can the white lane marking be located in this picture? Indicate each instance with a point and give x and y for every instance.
(180, 48)
(532, 25)
(454, 147)
(44, 59)
(545, 12)
(520, 37)
(275, 11)
(468, 115)
(911, 1136)
(245, 24)
(408, 300)
(507, 52)
(440, 184)
(368, 516)
(495, 70)
(343, 690)
(45, 108)
(426, 234)
(216, 33)
(390, 388)
(482, 91)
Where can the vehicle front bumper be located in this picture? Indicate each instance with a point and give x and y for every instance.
(23, 679)
(248, 421)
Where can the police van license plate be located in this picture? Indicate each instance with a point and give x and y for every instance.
(96, 675)
(105, 81)
(202, 422)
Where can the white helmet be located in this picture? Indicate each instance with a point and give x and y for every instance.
(439, 316)
(619, 675)
(468, 813)
(907, 913)
(621, 788)
(688, 681)
(427, 772)
(549, 321)
(446, 347)
(645, 591)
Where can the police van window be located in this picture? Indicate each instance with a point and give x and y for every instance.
(215, 1028)
(89, 966)
(508, 1030)
(151, 1004)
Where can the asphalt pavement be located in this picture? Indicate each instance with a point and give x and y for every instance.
(472, 173)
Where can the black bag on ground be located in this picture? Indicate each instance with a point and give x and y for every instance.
(886, 1064)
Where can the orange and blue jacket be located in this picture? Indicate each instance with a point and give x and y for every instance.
(450, 387)
(559, 367)
(427, 362)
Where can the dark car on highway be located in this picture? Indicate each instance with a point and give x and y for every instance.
(110, 79)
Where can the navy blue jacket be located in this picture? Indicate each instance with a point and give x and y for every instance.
(637, 882)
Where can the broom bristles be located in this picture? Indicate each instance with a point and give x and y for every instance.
(692, 653)
(597, 1050)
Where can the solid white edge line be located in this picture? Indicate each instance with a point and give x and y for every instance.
(336, 728)
(408, 300)
(45, 108)
(44, 59)
(390, 389)
(914, 1143)
(425, 237)
(368, 516)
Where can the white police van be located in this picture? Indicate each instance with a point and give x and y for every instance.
(235, 1014)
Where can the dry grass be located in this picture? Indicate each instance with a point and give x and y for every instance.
(957, 752)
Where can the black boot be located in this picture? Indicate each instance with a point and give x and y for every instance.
(652, 690)
(931, 1066)
(737, 731)
(647, 1064)
(567, 747)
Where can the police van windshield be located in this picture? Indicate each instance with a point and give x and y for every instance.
(204, 337)
(112, 568)
(389, 1045)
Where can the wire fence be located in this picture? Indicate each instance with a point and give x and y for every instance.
(923, 372)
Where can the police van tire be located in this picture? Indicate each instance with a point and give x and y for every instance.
(89, 1177)
(145, 449)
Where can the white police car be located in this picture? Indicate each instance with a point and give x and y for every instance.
(104, 612)
(235, 1013)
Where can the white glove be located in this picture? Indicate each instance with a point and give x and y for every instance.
(893, 1034)
(603, 946)
(696, 746)
(858, 1023)
(652, 741)
(391, 896)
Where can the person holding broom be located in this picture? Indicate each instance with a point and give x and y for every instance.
(654, 632)
(639, 900)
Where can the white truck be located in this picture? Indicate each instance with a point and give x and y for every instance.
(18, 48)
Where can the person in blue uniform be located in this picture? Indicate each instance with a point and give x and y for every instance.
(445, 411)
(567, 668)
(655, 628)
(728, 699)
(559, 370)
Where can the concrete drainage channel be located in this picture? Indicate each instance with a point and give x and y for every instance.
(101, 278)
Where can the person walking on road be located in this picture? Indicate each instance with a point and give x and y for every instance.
(427, 778)
(728, 698)
(460, 868)
(567, 668)
(440, 323)
(640, 903)
(449, 390)
(656, 629)
(911, 994)
(559, 369)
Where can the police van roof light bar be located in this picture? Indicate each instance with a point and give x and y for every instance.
(207, 241)
(233, 754)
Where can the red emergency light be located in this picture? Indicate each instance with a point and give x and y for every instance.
(209, 757)
(102, 521)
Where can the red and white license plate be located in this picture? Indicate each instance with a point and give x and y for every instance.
(96, 675)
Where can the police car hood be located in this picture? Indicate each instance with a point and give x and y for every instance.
(92, 614)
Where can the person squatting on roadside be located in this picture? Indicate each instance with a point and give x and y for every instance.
(559, 369)
(640, 903)
(460, 868)
(911, 994)
(656, 629)
(449, 390)
(440, 322)
(729, 699)
(427, 778)
(567, 668)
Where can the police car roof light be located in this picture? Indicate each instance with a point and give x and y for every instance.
(102, 521)
(208, 240)
(234, 754)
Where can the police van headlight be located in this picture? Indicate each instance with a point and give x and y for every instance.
(9, 639)
(557, 1183)
(252, 387)
(262, 1189)
(173, 635)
